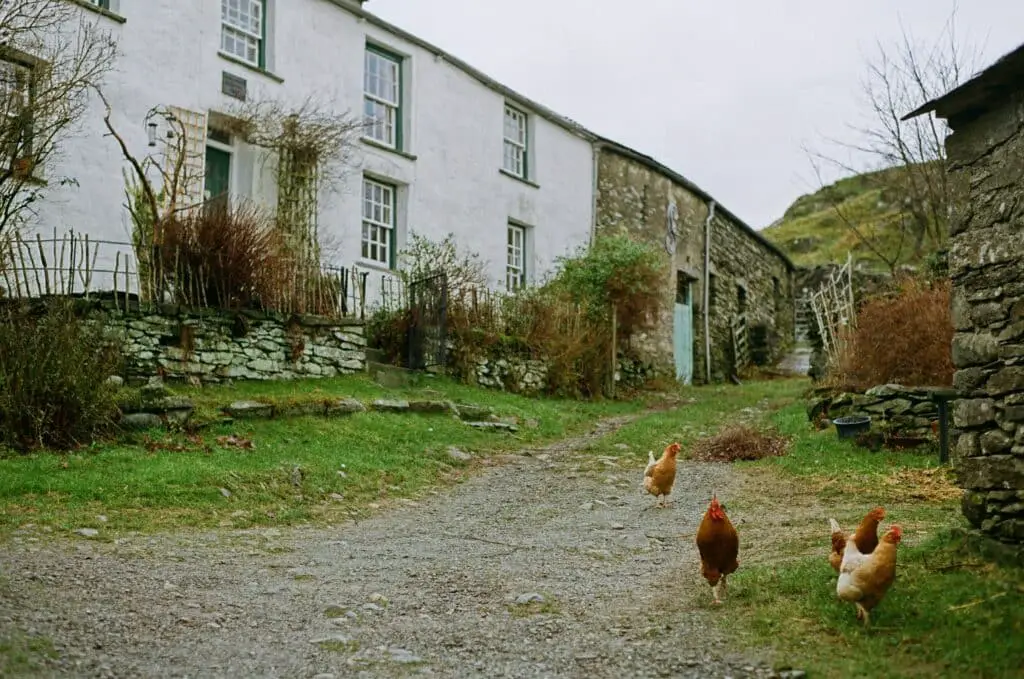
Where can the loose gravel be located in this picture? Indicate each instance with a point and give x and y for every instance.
(548, 563)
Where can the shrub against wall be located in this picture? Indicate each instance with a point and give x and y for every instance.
(903, 337)
(565, 324)
(234, 257)
(54, 369)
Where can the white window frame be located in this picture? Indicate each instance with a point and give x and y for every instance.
(243, 35)
(379, 222)
(515, 134)
(383, 113)
(515, 262)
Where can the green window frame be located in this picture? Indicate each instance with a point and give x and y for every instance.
(243, 31)
(383, 94)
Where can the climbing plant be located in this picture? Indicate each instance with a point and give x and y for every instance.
(311, 145)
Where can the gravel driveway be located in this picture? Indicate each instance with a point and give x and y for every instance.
(545, 564)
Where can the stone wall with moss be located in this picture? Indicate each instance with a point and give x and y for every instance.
(986, 262)
(634, 197)
(214, 346)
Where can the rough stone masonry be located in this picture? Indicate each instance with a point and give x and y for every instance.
(748, 275)
(986, 260)
(214, 346)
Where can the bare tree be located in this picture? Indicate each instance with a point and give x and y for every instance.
(50, 58)
(899, 78)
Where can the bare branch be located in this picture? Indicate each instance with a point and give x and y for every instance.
(51, 58)
(897, 79)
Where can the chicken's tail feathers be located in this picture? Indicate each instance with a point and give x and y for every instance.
(650, 457)
(834, 525)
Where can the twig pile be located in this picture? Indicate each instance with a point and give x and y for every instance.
(739, 442)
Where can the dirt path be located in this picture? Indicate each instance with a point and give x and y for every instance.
(429, 588)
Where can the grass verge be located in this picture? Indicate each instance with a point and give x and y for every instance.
(950, 613)
(702, 411)
(298, 470)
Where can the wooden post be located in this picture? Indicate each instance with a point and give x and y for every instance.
(615, 348)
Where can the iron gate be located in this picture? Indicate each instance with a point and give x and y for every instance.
(428, 326)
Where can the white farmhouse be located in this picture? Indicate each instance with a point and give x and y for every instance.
(448, 150)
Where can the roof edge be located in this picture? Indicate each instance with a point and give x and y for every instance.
(562, 121)
(1010, 62)
(610, 144)
(543, 111)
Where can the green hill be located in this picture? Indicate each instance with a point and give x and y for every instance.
(815, 229)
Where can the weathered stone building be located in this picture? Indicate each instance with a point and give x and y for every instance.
(721, 275)
(986, 263)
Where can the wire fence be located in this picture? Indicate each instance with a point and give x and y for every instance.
(77, 265)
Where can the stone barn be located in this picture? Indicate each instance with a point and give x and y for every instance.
(986, 263)
(728, 292)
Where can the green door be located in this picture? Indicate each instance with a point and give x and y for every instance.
(218, 176)
(682, 331)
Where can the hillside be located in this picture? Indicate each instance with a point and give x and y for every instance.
(812, 231)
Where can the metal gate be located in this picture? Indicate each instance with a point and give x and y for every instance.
(428, 326)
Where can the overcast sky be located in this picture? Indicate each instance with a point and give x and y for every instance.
(726, 93)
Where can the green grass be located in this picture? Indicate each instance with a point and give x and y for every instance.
(812, 232)
(380, 457)
(23, 655)
(360, 387)
(823, 454)
(950, 613)
(702, 412)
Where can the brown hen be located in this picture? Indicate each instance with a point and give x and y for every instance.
(660, 475)
(865, 537)
(719, 545)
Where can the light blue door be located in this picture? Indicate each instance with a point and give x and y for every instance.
(682, 331)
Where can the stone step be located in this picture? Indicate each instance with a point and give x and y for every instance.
(393, 376)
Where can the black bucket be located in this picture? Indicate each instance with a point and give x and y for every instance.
(850, 427)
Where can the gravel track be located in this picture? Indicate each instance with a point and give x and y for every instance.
(606, 587)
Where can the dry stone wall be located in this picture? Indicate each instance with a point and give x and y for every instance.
(894, 408)
(986, 260)
(178, 344)
(213, 347)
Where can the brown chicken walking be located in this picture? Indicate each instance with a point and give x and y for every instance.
(660, 475)
(866, 536)
(719, 545)
(864, 579)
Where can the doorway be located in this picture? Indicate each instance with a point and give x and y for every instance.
(218, 178)
(682, 330)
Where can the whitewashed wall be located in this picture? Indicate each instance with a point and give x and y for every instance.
(448, 177)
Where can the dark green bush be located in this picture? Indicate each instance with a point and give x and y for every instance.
(386, 331)
(619, 271)
(54, 369)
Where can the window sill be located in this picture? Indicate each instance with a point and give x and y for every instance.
(375, 266)
(384, 147)
(510, 175)
(245, 64)
(113, 16)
